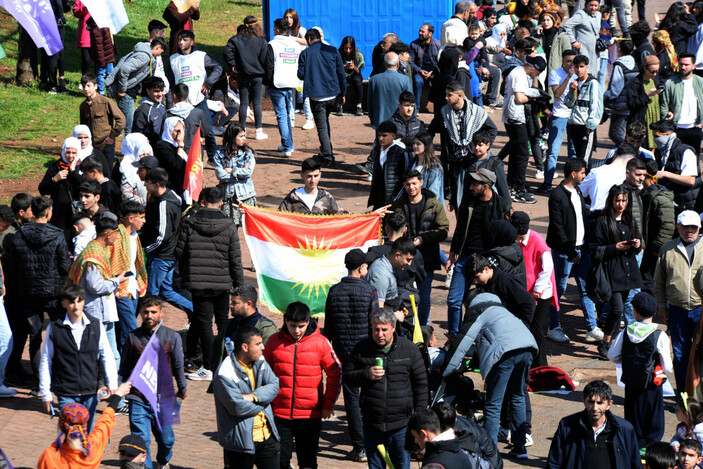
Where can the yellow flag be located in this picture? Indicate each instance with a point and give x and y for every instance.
(417, 331)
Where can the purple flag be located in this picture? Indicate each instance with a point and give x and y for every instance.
(37, 17)
(152, 377)
(4, 461)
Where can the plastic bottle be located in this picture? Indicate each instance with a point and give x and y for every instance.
(229, 345)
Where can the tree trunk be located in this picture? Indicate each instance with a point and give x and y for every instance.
(27, 66)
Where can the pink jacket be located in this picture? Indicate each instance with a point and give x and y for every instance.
(532, 253)
(82, 34)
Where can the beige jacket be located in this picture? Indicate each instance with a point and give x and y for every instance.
(676, 282)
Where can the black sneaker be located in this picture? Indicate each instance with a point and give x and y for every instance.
(518, 452)
(190, 366)
(359, 112)
(545, 189)
(357, 455)
(603, 348)
(339, 111)
(524, 198)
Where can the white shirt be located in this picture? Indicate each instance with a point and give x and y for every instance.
(308, 199)
(598, 183)
(517, 82)
(556, 78)
(47, 355)
(576, 202)
(689, 107)
(543, 283)
(383, 156)
(663, 347)
(132, 287)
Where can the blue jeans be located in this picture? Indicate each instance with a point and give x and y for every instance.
(100, 74)
(425, 288)
(682, 327)
(456, 296)
(142, 422)
(418, 84)
(6, 342)
(89, 402)
(618, 125)
(160, 274)
(126, 105)
(507, 379)
(557, 127)
(563, 269)
(395, 446)
(112, 339)
(127, 312)
(602, 70)
(281, 100)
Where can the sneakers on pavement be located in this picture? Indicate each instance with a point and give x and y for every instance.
(285, 154)
(545, 189)
(557, 335)
(7, 392)
(518, 452)
(528, 440)
(201, 375)
(122, 410)
(357, 455)
(309, 125)
(524, 198)
(539, 174)
(603, 348)
(503, 435)
(594, 335)
(359, 112)
(339, 111)
(260, 135)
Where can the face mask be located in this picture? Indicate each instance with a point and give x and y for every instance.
(661, 141)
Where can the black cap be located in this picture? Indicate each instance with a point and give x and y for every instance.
(148, 162)
(521, 222)
(644, 304)
(356, 257)
(132, 444)
(538, 62)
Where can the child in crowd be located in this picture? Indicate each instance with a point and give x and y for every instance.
(606, 36)
(102, 51)
(435, 353)
(690, 414)
(85, 232)
(234, 165)
(689, 454)
(659, 455)
(428, 164)
(484, 158)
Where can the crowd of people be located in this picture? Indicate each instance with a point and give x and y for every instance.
(111, 237)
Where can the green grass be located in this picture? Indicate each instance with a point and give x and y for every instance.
(33, 124)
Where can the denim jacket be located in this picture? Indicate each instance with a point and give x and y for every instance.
(238, 183)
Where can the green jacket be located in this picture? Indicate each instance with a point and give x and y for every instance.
(658, 218)
(672, 97)
(675, 281)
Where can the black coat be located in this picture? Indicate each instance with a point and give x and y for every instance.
(621, 266)
(246, 55)
(175, 166)
(637, 99)
(208, 252)
(498, 209)
(347, 309)
(386, 404)
(386, 184)
(62, 194)
(473, 438)
(158, 236)
(561, 232)
(448, 453)
(513, 294)
(37, 258)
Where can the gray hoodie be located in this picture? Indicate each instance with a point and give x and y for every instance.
(130, 70)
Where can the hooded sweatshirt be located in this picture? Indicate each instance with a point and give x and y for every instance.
(637, 332)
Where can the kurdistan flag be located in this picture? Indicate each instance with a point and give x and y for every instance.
(298, 257)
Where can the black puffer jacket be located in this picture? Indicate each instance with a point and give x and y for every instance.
(407, 130)
(37, 259)
(208, 252)
(349, 304)
(387, 403)
(386, 184)
(503, 246)
(448, 453)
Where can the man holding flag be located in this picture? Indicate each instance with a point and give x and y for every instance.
(153, 356)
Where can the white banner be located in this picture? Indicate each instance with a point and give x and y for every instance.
(108, 14)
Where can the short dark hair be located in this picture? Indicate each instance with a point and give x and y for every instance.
(180, 91)
(573, 165)
(213, 195)
(652, 168)
(454, 86)
(430, 27)
(598, 388)
(476, 263)
(690, 443)
(246, 293)
(399, 48)
(413, 173)
(387, 127)
(524, 44)
(91, 164)
(660, 455)
(403, 245)
(640, 28)
(150, 300)
(158, 41)
(6, 213)
(568, 53)
(626, 149)
(89, 78)
(297, 312)
(40, 205)
(636, 130)
(528, 25)
(21, 201)
(155, 25)
(80, 215)
(106, 221)
(427, 332)
(188, 34)
(312, 35)
(581, 60)
(244, 335)
(131, 207)
(71, 291)
(154, 82)
(446, 415)
(688, 55)
(635, 163)
(396, 220)
(282, 25)
(481, 136)
(89, 187)
(310, 164)
(406, 97)
(158, 176)
(424, 419)
(626, 47)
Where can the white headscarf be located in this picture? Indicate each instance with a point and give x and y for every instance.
(145, 150)
(84, 153)
(169, 125)
(498, 29)
(70, 142)
(129, 147)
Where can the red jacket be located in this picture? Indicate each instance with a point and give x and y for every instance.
(82, 34)
(102, 48)
(299, 366)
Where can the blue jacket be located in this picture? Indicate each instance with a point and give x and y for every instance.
(384, 91)
(569, 443)
(320, 67)
(416, 54)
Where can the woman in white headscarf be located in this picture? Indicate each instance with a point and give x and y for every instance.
(60, 183)
(131, 186)
(82, 133)
(171, 154)
(496, 44)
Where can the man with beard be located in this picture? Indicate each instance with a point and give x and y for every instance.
(682, 102)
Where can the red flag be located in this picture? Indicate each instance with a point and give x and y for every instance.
(193, 181)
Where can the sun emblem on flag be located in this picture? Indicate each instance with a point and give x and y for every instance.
(318, 270)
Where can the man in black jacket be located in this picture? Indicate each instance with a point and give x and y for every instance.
(210, 265)
(566, 236)
(349, 305)
(406, 121)
(163, 211)
(37, 260)
(391, 373)
(438, 447)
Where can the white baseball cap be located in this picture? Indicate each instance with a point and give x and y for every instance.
(689, 218)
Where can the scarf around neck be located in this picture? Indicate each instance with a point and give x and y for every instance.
(474, 118)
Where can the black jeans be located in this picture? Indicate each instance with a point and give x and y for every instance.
(584, 141)
(640, 9)
(85, 60)
(210, 142)
(321, 113)
(493, 84)
(356, 82)
(307, 439)
(109, 152)
(204, 306)
(519, 155)
(538, 327)
(691, 137)
(51, 64)
(353, 411)
(617, 305)
(250, 87)
(266, 456)
(34, 308)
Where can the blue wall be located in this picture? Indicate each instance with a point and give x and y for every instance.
(366, 20)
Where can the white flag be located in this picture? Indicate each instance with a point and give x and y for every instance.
(108, 14)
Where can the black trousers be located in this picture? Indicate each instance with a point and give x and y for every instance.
(617, 306)
(584, 141)
(519, 155)
(644, 409)
(85, 60)
(538, 327)
(321, 113)
(250, 91)
(649, 264)
(51, 64)
(31, 324)
(691, 137)
(356, 82)
(307, 440)
(204, 307)
(353, 411)
(266, 456)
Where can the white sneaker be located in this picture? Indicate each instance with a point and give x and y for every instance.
(450, 274)
(260, 135)
(292, 123)
(285, 154)
(309, 125)
(557, 335)
(528, 440)
(594, 335)
(540, 175)
(201, 375)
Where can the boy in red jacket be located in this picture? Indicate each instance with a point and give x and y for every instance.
(298, 354)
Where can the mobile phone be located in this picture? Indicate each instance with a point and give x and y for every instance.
(129, 274)
(660, 86)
